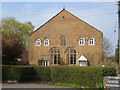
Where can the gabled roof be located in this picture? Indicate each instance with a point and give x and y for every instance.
(82, 58)
(58, 14)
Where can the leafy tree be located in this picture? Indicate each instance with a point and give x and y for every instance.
(14, 38)
(107, 47)
(10, 25)
(12, 47)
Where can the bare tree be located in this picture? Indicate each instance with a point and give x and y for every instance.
(107, 47)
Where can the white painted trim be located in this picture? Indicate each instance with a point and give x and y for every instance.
(47, 41)
(45, 63)
(83, 41)
(38, 41)
(93, 42)
(82, 58)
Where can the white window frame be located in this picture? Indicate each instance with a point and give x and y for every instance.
(89, 41)
(45, 42)
(81, 40)
(83, 63)
(36, 42)
(45, 63)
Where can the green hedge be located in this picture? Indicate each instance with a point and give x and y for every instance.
(10, 73)
(83, 76)
(43, 73)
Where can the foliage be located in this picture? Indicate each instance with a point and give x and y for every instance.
(11, 26)
(43, 73)
(107, 47)
(84, 77)
(9, 73)
(12, 48)
(109, 71)
(61, 62)
(14, 38)
(26, 74)
(40, 61)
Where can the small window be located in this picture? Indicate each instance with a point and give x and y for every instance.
(45, 63)
(81, 41)
(91, 41)
(63, 40)
(46, 42)
(83, 63)
(37, 42)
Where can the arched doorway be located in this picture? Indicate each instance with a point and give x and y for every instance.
(55, 55)
(71, 56)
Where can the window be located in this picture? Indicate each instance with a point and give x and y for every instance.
(46, 42)
(45, 63)
(71, 56)
(37, 42)
(55, 56)
(91, 41)
(63, 40)
(81, 41)
(83, 63)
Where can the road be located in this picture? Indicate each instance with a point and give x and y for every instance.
(30, 85)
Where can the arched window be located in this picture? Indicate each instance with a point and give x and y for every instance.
(63, 40)
(55, 56)
(81, 41)
(91, 41)
(37, 42)
(71, 56)
(46, 42)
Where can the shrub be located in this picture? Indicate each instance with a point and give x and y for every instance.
(43, 73)
(83, 76)
(27, 74)
(9, 73)
(109, 71)
(88, 77)
(40, 61)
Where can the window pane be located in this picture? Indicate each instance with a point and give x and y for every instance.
(55, 59)
(46, 42)
(74, 58)
(51, 58)
(81, 41)
(59, 59)
(67, 58)
(91, 41)
(37, 42)
(83, 63)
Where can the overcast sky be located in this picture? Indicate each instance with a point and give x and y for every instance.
(101, 15)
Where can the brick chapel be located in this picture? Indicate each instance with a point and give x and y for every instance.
(65, 40)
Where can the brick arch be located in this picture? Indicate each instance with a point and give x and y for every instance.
(53, 48)
(71, 48)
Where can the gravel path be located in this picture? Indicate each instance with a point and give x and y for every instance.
(4, 85)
